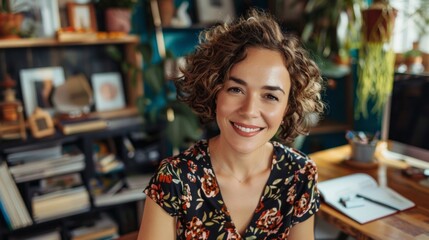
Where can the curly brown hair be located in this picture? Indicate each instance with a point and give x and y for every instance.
(222, 46)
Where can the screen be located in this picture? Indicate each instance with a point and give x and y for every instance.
(406, 120)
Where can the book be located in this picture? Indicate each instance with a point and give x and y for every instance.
(131, 191)
(71, 160)
(103, 228)
(13, 208)
(60, 203)
(68, 127)
(360, 197)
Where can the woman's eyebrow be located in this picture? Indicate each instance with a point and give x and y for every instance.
(267, 87)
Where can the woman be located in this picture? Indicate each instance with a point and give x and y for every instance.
(252, 80)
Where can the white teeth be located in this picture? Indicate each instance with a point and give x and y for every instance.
(244, 129)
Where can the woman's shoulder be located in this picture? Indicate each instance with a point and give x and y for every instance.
(196, 152)
(289, 155)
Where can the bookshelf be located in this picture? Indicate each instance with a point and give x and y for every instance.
(134, 144)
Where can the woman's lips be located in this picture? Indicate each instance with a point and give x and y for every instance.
(246, 130)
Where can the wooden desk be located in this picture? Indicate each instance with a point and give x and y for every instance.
(409, 224)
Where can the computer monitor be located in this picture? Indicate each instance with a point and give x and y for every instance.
(406, 120)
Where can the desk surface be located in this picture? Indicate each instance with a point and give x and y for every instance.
(409, 224)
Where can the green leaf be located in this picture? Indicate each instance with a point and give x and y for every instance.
(154, 77)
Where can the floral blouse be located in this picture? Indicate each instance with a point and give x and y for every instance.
(185, 186)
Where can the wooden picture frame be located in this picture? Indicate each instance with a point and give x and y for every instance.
(41, 124)
(82, 17)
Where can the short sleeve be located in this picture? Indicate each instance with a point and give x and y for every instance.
(165, 187)
(307, 201)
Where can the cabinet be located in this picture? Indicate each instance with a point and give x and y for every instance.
(134, 145)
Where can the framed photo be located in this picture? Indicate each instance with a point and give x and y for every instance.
(108, 91)
(41, 124)
(41, 17)
(38, 85)
(82, 16)
(215, 11)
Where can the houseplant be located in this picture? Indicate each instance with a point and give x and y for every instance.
(117, 14)
(10, 21)
(159, 103)
(376, 58)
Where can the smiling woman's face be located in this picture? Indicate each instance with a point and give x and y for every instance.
(251, 105)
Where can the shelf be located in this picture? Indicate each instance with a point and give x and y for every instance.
(52, 42)
(330, 127)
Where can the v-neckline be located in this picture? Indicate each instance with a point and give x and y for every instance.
(261, 197)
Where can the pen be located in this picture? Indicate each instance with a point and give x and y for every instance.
(379, 203)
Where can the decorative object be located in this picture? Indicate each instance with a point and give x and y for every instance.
(414, 59)
(219, 11)
(12, 124)
(73, 98)
(376, 58)
(108, 91)
(38, 85)
(82, 17)
(117, 14)
(10, 21)
(40, 18)
(41, 123)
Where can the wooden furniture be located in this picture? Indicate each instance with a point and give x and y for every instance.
(88, 56)
(409, 224)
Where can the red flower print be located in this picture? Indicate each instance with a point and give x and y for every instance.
(196, 230)
(155, 192)
(232, 234)
(165, 177)
(291, 194)
(192, 166)
(209, 184)
(269, 221)
(303, 205)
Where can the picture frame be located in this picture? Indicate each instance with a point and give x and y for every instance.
(41, 123)
(215, 11)
(82, 16)
(41, 17)
(108, 91)
(38, 85)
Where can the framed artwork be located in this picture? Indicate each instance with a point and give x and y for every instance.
(108, 91)
(82, 16)
(41, 123)
(41, 17)
(215, 11)
(38, 85)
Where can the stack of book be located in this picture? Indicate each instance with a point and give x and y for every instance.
(108, 163)
(24, 154)
(60, 203)
(74, 126)
(23, 169)
(128, 190)
(12, 206)
(104, 228)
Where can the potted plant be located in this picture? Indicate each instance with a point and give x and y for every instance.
(10, 21)
(376, 59)
(117, 14)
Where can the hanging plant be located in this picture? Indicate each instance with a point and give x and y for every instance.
(376, 59)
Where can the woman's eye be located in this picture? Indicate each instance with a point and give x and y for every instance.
(234, 90)
(272, 97)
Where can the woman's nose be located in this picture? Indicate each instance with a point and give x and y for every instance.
(249, 106)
